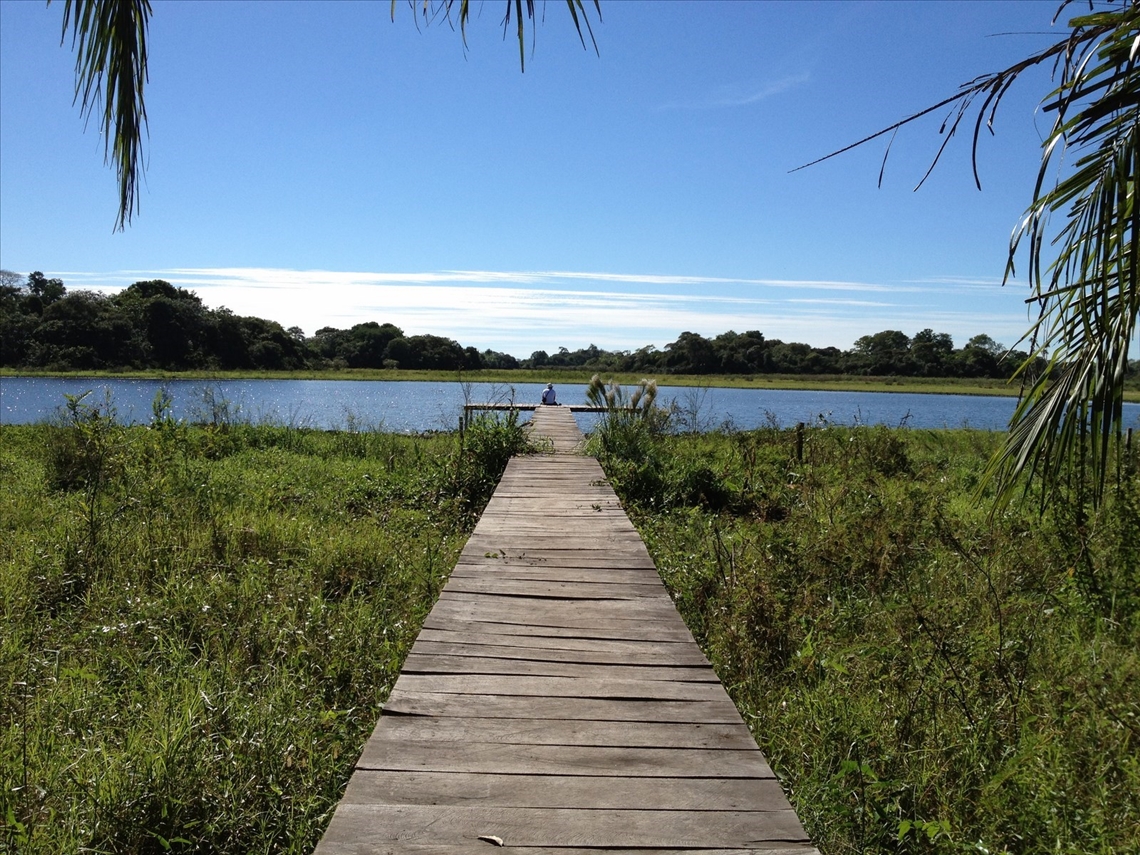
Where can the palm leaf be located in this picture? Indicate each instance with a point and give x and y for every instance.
(110, 42)
(109, 38)
(1069, 419)
(522, 10)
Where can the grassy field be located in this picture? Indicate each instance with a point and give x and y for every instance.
(924, 385)
(922, 678)
(198, 625)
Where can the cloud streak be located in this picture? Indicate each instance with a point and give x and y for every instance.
(737, 96)
(523, 311)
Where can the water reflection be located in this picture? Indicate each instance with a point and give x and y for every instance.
(418, 406)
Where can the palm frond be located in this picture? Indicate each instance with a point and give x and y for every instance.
(109, 38)
(1083, 276)
(521, 10)
(1088, 296)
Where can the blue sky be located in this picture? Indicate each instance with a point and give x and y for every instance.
(320, 164)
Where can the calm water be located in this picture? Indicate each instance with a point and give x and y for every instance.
(419, 406)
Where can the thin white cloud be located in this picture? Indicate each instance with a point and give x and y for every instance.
(522, 311)
(967, 282)
(737, 96)
(277, 278)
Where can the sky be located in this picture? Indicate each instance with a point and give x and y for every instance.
(320, 164)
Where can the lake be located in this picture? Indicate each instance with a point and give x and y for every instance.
(414, 406)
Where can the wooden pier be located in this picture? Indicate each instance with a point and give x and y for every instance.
(470, 409)
(555, 701)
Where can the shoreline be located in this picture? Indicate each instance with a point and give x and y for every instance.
(772, 382)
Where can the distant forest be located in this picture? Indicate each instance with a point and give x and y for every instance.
(155, 325)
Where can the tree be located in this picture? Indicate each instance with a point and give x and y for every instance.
(46, 291)
(886, 352)
(83, 330)
(691, 353)
(930, 352)
(980, 357)
(9, 281)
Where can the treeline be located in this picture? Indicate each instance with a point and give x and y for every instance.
(153, 324)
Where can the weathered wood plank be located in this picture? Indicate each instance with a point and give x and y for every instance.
(480, 847)
(645, 630)
(563, 497)
(560, 687)
(427, 663)
(565, 791)
(545, 731)
(512, 554)
(562, 649)
(493, 758)
(449, 824)
(559, 611)
(581, 590)
(405, 701)
(561, 568)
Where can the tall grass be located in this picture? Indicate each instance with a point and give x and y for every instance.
(198, 624)
(923, 678)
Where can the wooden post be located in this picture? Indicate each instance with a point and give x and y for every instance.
(800, 442)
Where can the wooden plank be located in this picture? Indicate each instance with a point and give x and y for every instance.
(470, 577)
(502, 539)
(427, 663)
(645, 630)
(560, 687)
(633, 608)
(575, 610)
(558, 615)
(480, 847)
(681, 657)
(594, 582)
(569, 531)
(533, 555)
(452, 825)
(562, 649)
(405, 701)
(539, 582)
(648, 630)
(564, 791)
(493, 758)
(545, 731)
(518, 499)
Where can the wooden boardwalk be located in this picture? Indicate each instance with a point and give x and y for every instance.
(556, 702)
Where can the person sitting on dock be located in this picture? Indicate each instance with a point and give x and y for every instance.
(548, 394)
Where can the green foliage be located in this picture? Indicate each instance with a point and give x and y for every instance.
(485, 445)
(1083, 273)
(923, 678)
(1088, 295)
(199, 623)
(111, 69)
(627, 436)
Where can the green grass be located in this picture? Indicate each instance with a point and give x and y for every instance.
(922, 679)
(198, 625)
